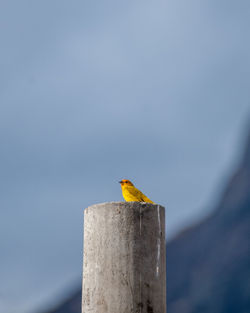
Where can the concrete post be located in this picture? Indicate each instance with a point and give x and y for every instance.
(124, 269)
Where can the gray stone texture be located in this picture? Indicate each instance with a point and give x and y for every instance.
(124, 269)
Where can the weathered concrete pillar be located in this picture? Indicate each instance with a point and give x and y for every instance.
(124, 269)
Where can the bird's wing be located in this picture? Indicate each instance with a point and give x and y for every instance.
(138, 194)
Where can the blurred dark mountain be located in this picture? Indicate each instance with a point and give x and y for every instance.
(208, 264)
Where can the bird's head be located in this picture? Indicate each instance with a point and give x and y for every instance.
(125, 182)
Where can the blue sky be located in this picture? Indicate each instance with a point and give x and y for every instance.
(93, 92)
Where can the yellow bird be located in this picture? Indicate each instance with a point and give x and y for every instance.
(131, 193)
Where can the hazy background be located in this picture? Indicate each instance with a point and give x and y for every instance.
(95, 91)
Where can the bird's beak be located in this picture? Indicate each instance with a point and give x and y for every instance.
(120, 182)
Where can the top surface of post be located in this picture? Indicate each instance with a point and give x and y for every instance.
(134, 204)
